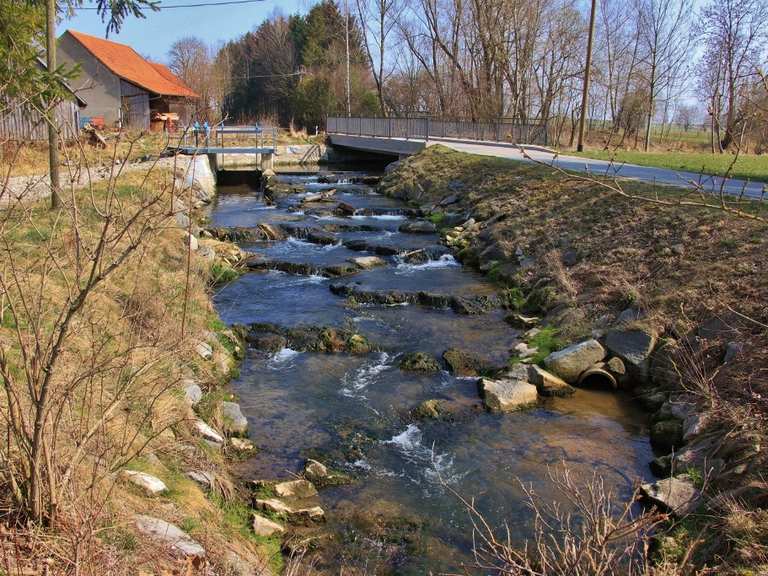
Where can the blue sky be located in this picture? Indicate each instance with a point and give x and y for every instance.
(153, 35)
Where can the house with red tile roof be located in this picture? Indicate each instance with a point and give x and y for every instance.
(121, 86)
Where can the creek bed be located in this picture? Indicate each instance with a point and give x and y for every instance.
(353, 411)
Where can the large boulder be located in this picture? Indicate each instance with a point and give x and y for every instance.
(634, 347)
(207, 433)
(570, 362)
(368, 262)
(677, 495)
(235, 421)
(461, 363)
(150, 485)
(295, 489)
(266, 527)
(204, 350)
(508, 394)
(203, 478)
(192, 392)
(169, 535)
(314, 470)
(547, 383)
(275, 506)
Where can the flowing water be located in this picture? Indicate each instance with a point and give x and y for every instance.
(398, 515)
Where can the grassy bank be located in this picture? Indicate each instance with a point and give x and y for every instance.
(105, 311)
(576, 255)
(747, 167)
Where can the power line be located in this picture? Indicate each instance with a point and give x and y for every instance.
(197, 5)
(251, 76)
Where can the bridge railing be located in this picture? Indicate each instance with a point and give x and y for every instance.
(265, 137)
(425, 128)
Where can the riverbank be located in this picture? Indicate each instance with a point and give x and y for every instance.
(112, 296)
(677, 292)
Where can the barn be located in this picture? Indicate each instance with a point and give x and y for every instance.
(122, 88)
(20, 121)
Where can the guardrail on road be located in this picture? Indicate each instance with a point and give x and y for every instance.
(433, 128)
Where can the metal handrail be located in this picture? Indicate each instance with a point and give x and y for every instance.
(424, 128)
(217, 132)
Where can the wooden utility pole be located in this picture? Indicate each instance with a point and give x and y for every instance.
(349, 96)
(587, 70)
(53, 134)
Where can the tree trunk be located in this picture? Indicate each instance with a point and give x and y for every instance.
(53, 135)
(651, 99)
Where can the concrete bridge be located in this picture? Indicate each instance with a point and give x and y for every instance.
(400, 137)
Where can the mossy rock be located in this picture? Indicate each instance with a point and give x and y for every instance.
(428, 409)
(330, 341)
(358, 344)
(419, 362)
(462, 363)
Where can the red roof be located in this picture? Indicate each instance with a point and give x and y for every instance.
(126, 63)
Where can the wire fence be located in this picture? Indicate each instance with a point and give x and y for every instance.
(508, 131)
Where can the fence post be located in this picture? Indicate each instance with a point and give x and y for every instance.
(389, 127)
(426, 131)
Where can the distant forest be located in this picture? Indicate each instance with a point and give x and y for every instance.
(289, 69)
(670, 64)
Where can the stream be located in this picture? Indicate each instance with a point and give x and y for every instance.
(353, 412)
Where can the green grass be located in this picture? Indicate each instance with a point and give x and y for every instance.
(436, 218)
(238, 517)
(747, 167)
(222, 274)
(546, 341)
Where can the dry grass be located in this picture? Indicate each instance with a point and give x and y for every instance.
(684, 264)
(129, 331)
(31, 158)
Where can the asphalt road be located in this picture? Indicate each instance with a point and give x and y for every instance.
(663, 176)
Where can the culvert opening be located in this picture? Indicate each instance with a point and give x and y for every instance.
(240, 178)
(598, 379)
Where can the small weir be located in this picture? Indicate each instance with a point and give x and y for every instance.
(355, 410)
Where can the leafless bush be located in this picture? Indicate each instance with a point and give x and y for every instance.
(83, 378)
(588, 533)
(554, 263)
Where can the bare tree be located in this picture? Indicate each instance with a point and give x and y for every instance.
(665, 42)
(192, 61)
(735, 33)
(686, 116)
(377, 18)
